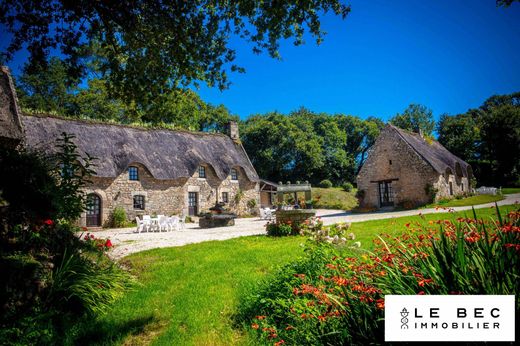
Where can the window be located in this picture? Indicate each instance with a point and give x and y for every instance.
(234, 174)
(225, 197)
(202, 172)
(462, 187)
(451, 188)
(133, 173)
(390, 162)
(139, 202)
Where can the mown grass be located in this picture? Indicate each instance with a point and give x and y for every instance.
(334, 198)
(189, 294)
(471, 200)
(510, 190)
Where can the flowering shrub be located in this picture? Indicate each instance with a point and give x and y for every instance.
(335, 295)
(280, 229)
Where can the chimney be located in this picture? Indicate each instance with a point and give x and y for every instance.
(232, 130)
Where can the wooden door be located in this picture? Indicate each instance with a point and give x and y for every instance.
(93, 210)
(193, 198)
(386, 197)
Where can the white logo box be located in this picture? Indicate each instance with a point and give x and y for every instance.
(450, 318)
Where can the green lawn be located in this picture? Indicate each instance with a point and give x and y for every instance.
(188, 294)
(334, 198)
(509, 190)
(472, 200)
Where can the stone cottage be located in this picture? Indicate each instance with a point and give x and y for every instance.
(406, 168)
(149, 171)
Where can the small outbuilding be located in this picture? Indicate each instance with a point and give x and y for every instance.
(409, 169)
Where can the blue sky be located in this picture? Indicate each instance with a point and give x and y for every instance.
(447, 55)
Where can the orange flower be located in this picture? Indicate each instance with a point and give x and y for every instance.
(380, 303)
(255, 326)
(260, 318)
(281, 342)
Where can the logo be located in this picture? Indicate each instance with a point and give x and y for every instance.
(450, 318)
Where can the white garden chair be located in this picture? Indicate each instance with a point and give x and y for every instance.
(142, 225)
(164, 224)
(174, 223)
(182, 222)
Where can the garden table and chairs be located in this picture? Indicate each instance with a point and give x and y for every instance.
(159, 223)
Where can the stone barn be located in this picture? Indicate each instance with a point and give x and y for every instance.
(408, 169)
(141, 170)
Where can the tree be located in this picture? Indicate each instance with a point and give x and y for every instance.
(149, 47)
(488, 138)
(460, 134)
(505, 3)
(414, 118)
(47, 87)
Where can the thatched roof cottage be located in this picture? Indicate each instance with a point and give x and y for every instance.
(405, 168)
(156, 171)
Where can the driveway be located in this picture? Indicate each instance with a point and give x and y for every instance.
(126, 241)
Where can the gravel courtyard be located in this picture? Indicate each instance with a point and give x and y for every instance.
(126, 241)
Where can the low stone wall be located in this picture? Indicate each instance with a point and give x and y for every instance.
(295, 216)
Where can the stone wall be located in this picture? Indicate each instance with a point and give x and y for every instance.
(11, 131)
(391, 158)
(169, 197)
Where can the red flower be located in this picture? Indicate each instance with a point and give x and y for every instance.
(48, 222)
(108, 243)
(421, 293)
(380, 303)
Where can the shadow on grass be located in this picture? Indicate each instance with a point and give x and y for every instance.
(109, 333)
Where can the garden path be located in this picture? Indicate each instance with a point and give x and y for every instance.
(125, 241)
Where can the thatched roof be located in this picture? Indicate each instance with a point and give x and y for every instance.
(167, 154)
(440, 158)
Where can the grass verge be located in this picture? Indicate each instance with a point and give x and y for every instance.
(510, 190)
(472, 200)
(188, 294)
(333, 198)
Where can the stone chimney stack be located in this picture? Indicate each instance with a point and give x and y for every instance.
(232, 130)
(11, 130)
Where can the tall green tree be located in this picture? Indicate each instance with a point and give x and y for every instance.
(47, 88)
(152, 46)
(488, 138)
(414, 118)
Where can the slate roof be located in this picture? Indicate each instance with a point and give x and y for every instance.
(434, 153)
(167, 154)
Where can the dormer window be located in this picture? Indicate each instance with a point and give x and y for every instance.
(234, 174)
(202, 172)
(133, 173)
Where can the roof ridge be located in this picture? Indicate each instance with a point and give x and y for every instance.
(89, 121)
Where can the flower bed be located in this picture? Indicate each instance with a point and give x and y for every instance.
(335, 295)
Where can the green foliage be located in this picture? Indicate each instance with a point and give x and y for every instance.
(50, 277)
(325, 184)
(119, 218)
(146, 49)
(308, 146)
(347, 187)
(333, 198)
(335, 296)
(280, 229)
(414, 118)
(251, 204)
(483, 137)
(48, 89)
